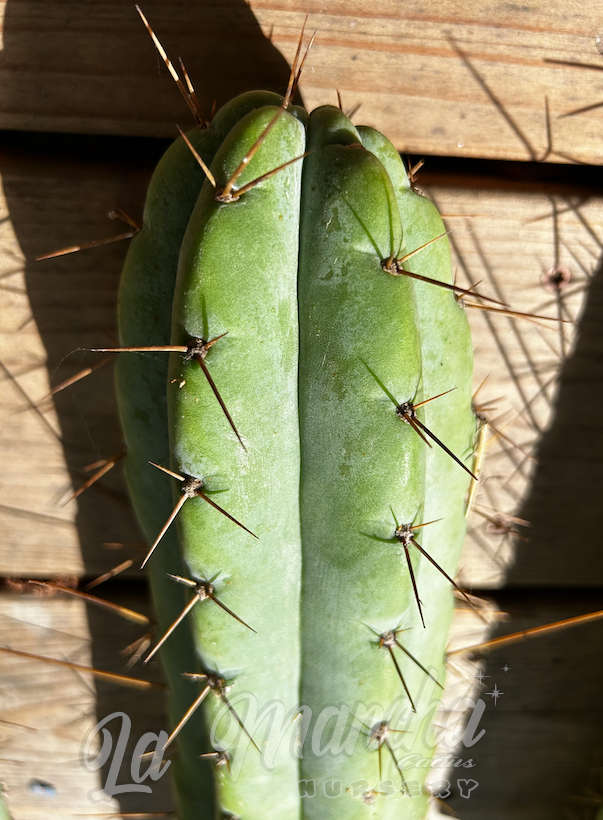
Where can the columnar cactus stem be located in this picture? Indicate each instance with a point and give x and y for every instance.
(290, 416)
(238, 274)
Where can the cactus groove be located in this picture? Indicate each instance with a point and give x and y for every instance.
(314, 419)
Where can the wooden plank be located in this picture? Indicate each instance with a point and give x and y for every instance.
(537, 380)
(438, 77)
(541, 736)
(50, 310)
(48, 712)
(503, 236)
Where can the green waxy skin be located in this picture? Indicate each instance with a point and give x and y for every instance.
(359, 462)
(146, 287)
(145, 298)
(321, 346)
(230, 114)
(447, 363)
(238, 275)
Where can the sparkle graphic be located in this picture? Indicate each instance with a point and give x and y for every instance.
(481, 676)
(495, 693)
(506, 668)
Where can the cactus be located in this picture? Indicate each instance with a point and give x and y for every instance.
(141, 380)
(319, 519)
(315, 423)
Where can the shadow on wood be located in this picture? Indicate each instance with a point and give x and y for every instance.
(545, 734)
(101, 74)
(58, 190)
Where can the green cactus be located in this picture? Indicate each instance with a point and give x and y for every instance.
(147, 287)
(298, 416)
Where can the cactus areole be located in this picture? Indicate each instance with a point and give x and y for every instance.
(307, 412)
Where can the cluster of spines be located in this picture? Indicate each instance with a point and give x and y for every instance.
(193, 487)
(197, 350)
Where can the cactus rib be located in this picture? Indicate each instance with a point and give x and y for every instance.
(293, 274)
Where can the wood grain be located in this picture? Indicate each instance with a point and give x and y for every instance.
(447, 78)
(542, 749)
(505, 237)
(48, 712)
(541, 737)
(49, 310)
(441, 78)
(543, 387)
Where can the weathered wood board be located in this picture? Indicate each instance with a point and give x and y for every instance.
(443, 78)
(50, 310)
(502, 234)
(504, 237)
(446, 78)
(542, 734)
(542, 750)
(48, 713)
(545, 390)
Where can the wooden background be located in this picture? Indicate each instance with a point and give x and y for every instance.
(85, 110)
